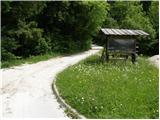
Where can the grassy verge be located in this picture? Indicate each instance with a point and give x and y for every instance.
(29, 60)
(111, 90)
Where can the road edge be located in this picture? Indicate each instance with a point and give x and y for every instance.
(63, 103)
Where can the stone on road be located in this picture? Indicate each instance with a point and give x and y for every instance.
(155, 60)
(27, 89)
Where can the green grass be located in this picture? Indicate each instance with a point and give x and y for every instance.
(29, 60)
(111, 90)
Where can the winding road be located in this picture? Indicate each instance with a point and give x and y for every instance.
(27, 89)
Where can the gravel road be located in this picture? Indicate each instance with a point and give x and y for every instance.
(27, 89)
(155, 60)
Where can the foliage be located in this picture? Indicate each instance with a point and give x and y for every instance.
(135, 15)
(146, 6)
(13, 11)
(154, 18)
(153, 14)
(111, 90)
(72, 24)
(119, 10)
(8, 46)
(136, 19)
(29, 39)
(18, 31)
(38, 27)
(28, 60)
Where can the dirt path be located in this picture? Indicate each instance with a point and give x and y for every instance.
(26, 90)
(155, 60)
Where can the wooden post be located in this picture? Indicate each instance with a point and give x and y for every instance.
(103, 56)
(134, 55)
(106, 50)
(135, 51)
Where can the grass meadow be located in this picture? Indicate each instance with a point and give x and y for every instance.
(111, 90)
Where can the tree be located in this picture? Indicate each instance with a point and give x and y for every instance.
(32, 28)
(154, 18)
(18, 28)
(72, 25)
(146, 6)
(154, 15)
(118, 11)
(132, 15)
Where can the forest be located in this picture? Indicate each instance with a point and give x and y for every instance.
(39, 27)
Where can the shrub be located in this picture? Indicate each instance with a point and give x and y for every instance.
(72, 25)
(9, 45)
(30, 39)
(7, 56)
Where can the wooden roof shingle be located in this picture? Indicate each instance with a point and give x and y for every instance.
(108, 31)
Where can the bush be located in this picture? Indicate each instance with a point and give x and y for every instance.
(29, 38)
(7, 56)
(41, 27)
(72, 25)
(9, 45)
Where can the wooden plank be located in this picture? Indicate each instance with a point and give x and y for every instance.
(139, 33)
(123, 32)
(110, 32)
(116, 32)
(120, 31)
(104, 31)
(132, 32)
(142, 32)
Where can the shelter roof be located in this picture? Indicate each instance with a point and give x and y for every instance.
(120, 32)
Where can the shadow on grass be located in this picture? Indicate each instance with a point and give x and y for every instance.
(93, 60)
(114, 62)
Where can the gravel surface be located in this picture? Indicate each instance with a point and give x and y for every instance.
(27, 89)
(155, 60)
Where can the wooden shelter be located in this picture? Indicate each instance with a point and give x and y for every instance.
(121, 43)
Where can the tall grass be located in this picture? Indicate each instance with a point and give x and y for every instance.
(111, 90)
